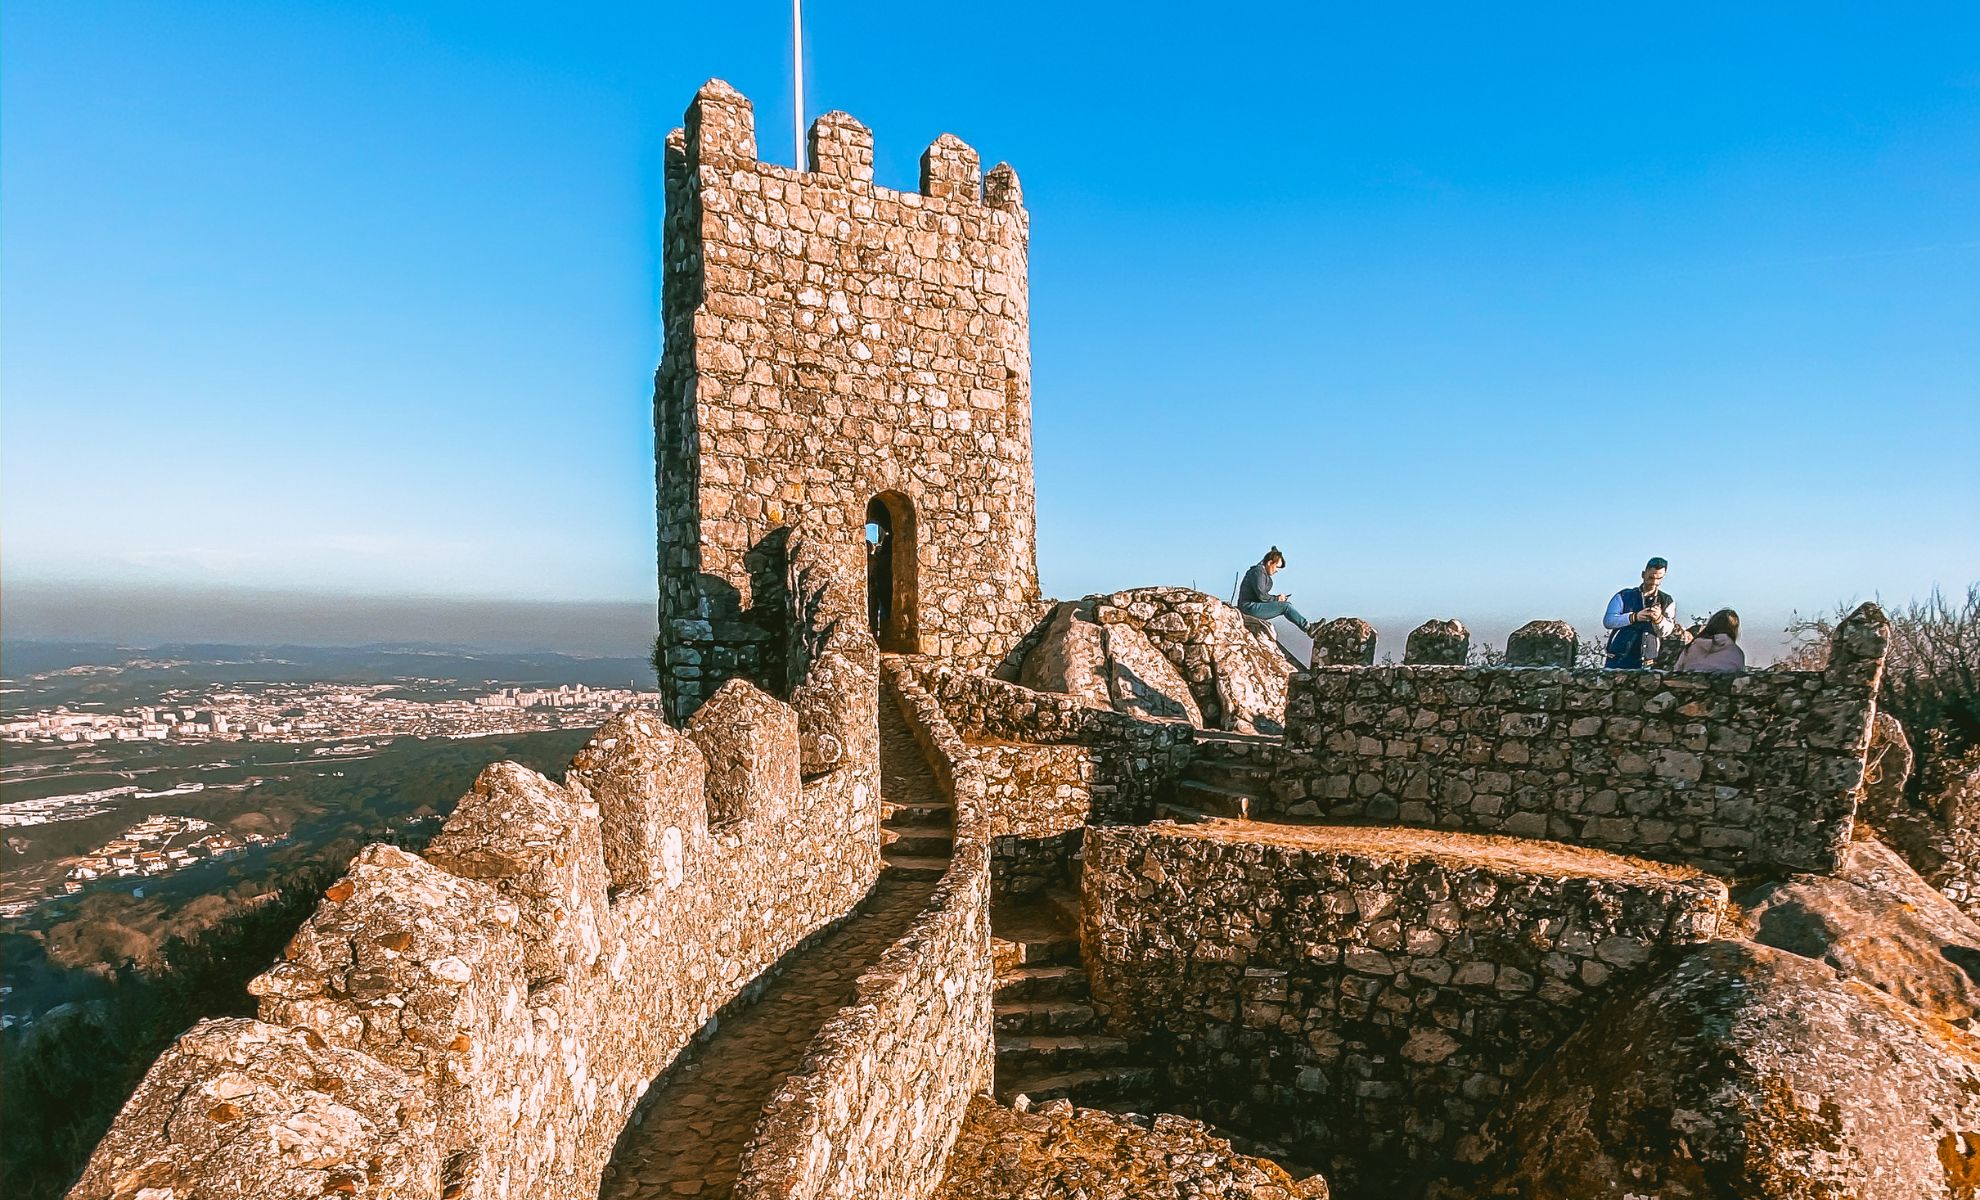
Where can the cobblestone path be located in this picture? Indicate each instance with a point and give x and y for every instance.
(688, 1134)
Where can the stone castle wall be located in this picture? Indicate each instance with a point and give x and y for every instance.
(830, 342)
(1050, 766)
(480, 1020)
(1746, 772)
(884, 1087)
(1365, 996)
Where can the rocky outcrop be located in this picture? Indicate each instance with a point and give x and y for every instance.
(1164, 653)
(1069, 656)
(1142, 682)
(1934, 826)
(1877, 922)
(1747, 1072)
(1886, 770)
(1058, 1152)
(1959, 811)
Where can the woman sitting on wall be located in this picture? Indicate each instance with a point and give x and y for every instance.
(1716, 648)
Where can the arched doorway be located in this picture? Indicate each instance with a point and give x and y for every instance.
(890, 572)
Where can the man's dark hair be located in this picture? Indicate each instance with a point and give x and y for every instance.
(1272, 554)
(1724, 621)
(1656, 564)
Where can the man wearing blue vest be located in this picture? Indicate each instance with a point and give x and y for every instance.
(1639, 619)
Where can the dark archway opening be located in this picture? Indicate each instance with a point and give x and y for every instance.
(890, 572)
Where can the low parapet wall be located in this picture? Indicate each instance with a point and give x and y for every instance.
(1136, 758)
(884, 1088)
(479, 1021)
(1364, 995)
(1750, 772)
(1050, 766)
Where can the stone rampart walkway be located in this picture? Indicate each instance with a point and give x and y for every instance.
(688, 1134)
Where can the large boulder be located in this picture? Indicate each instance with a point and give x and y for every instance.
(1746, 1071)
(1142, 682)
(1876, 921)
(1235, 677)
(1251, 673)
(1069, 657)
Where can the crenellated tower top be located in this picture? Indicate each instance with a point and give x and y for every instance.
(842, 350)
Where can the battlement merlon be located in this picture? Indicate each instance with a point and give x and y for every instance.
(719, 131)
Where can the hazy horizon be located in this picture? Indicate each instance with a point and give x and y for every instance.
(161, 615)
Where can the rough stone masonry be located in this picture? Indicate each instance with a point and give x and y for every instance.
(844, 351)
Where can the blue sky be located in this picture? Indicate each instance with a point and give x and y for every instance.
(1470, 308)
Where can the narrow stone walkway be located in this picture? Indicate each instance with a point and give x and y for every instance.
(688, 1134)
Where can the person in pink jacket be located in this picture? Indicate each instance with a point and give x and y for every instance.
(1716, 648)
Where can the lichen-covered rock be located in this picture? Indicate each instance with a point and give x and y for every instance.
(1748, 1072)
(750, 740)
(1438, 644)
(1069, 657)
(1542, 644)
(1344, 642)
(1876, 921)
(1058, 1152)
(1142, 682)
(240, 1110)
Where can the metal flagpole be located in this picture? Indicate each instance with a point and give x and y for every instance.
(797, 70)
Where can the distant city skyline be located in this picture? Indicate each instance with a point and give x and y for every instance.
(1469, 311)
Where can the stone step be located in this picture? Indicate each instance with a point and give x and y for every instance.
(1038, 1052)
(1234, 737)
(1034, 951)
(1098, 1087)
(1044, 1017)
(918, 815)
(1065, 902)
(907, 867)
(1235, 774)
(916, 843)
(1020, 985)
(1215, 800)
(1168, 811)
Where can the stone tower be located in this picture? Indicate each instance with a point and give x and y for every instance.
(848, 354)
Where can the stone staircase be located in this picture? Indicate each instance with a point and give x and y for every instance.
(1228, 775)
(1049, 1043)
(917, 834)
